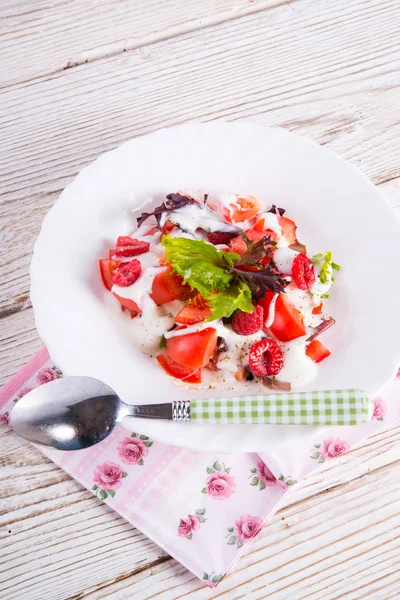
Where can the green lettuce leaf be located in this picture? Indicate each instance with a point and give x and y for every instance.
(201, 265)
(236, 296)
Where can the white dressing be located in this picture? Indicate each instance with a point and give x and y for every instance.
(271, 222)
(271, 311)
(298, 368)
(283, 258)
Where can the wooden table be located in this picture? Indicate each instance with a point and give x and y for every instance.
(78, 77)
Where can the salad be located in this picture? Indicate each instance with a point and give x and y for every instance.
(219, 290)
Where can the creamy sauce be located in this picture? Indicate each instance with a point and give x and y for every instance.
(271, 222)
(304, 302)
(271, 311)
(140, 290)
(148, 328)
(283, 258)
(298, 368)
(318, 288)
(192, 217)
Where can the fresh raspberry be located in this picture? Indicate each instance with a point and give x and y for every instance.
(220, 237)
(245, 323)
(127, 273)
(124, 240)
(265, 358)
(127, 246)
(303, 272)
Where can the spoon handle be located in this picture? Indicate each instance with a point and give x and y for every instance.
(327, 407)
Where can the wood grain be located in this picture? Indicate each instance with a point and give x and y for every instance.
(77, 79)
(340, 79)
(84, 32)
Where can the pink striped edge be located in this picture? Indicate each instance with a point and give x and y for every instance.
(17, 381)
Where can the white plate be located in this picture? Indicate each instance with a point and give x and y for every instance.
(334, 205)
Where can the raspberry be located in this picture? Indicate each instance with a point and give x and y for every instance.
(245, 323)
(303, 272)
(265, 358)
(220, 237)
(127, 246)
(124, 240)
(127, 273)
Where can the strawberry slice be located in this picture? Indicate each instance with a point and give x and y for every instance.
(174, 369)
(107, 269)
(317, 351)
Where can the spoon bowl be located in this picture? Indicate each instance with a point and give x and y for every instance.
(71, 413)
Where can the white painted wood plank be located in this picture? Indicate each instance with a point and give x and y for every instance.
(339, 71)
(328, 71)
(338, 87)
(56, 35)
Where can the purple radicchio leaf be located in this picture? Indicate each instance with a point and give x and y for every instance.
(277, 211)
(321, 328)
(172, 202)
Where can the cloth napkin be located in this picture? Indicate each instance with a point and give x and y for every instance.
(201, 508)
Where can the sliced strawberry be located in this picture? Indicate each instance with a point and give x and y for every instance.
(196, 311)
(265, 358)
(238, 245)
(168, 227)
(174, 369)
(317, 309)
(127, 273)
(303, 272)
(107, 269)
(317, 351)
(128, 304)
(244, 323)
(288, 229)
(288, 321)
(220, 237)
(133, 248)
(255, 235)
(168, 286)
(193, 349)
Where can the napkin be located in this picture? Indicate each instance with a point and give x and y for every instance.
(201, 508)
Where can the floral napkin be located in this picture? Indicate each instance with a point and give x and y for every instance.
(201, 508)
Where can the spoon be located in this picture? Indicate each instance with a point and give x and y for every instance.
(77, 412)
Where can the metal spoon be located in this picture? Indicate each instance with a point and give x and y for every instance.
(75, 412)
(78, 412)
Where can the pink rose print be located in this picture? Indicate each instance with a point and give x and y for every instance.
(398, 374)
(219, 484)
(107, 478)
(246, 528)
(187, 526)
(4, 418)
(262, 477)
(379, 409)
(22, 392)
(331, 448)
(212, 580)
(131, 450)
(46, 375)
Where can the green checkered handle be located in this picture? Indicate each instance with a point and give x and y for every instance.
(328, 407)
